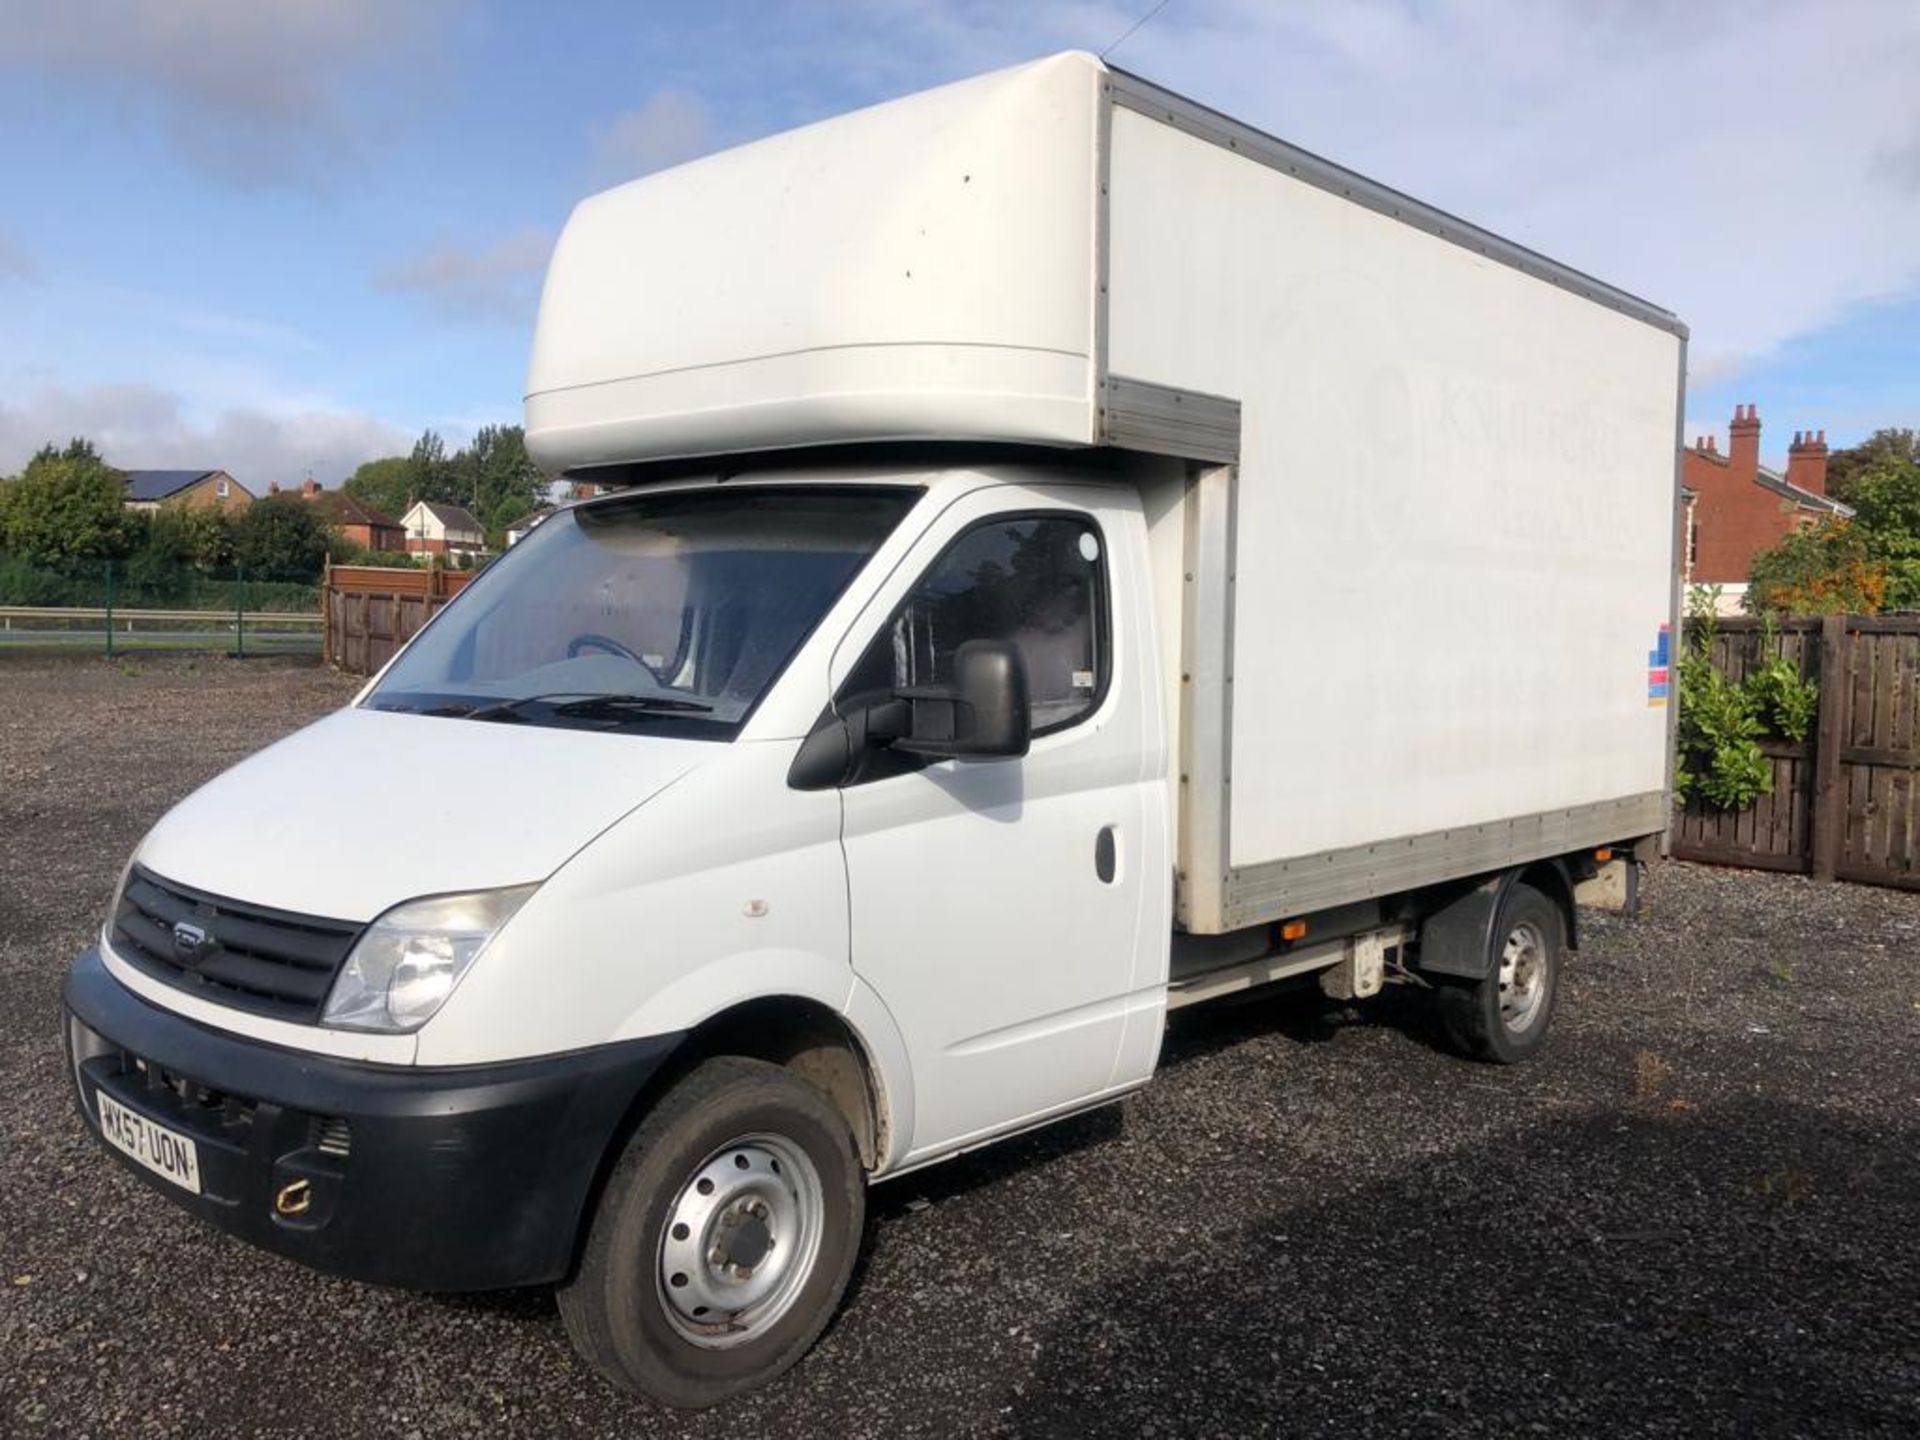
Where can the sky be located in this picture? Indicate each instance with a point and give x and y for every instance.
(282, 237)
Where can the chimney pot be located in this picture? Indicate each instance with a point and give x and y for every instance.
(1807, 461)
(1743, 443)
(310, 486)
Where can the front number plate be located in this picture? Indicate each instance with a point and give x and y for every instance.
(167, 1153)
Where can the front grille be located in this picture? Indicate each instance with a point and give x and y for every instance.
(267, 961)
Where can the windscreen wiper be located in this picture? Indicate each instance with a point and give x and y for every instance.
(577, 705)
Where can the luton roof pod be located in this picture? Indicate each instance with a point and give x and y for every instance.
(932, 268)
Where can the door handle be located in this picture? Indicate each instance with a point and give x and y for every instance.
(1106, 854)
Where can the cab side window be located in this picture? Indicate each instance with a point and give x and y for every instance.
(1036, 580)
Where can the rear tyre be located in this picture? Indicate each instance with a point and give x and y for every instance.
(1503, 1018)
(724, 1238)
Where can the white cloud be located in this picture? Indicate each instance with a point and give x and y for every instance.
(498, 282)
(139, 426)
(672, 126)
(256, 93)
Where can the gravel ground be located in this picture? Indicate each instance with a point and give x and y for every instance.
(1696, 1214)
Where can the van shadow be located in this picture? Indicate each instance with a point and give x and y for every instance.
(1294, 1010)
(1743, 1269)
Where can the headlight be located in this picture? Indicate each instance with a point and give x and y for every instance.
(408, 961)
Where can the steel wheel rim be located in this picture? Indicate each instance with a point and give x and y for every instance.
(740, 1240)
(1523, 976)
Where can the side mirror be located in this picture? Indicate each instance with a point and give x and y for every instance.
(981, 716)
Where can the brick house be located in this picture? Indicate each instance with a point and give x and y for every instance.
(1737, 507)
(435, 529)
(150, 489)
(367, 527)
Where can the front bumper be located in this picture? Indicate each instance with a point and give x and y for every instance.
(468, 1178)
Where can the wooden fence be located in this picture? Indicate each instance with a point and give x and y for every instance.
(1844, 802)
(372, 611)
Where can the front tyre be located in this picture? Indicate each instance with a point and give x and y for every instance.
(723, 1240)
(1503, 1017)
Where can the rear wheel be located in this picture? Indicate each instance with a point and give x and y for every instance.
(724, 1238)
(1503, 1017)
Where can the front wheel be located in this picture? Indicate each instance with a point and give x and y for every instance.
(1503, 1017)
(724, 1238)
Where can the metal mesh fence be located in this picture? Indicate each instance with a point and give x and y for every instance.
(121, 605)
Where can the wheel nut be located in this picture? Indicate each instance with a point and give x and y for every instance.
(717, 1256)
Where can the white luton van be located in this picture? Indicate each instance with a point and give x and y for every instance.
(1064, 555)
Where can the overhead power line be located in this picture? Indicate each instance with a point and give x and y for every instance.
(1127, 34)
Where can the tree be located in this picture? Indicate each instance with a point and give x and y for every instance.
(69, 504)
(1886, 499)
(1870, 563)
(493, 476)
(1831, 567)
(197, 535)
(383, 485)
(432, 476)
(1844, 467)
(280, 536)
(504, 517)
(504, 478)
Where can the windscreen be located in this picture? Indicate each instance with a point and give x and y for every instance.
(668, 610)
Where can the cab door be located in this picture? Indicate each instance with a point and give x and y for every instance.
(997, 905)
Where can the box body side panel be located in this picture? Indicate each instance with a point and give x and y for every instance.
(1454, 510)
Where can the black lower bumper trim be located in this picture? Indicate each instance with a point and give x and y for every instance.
(468, 1178)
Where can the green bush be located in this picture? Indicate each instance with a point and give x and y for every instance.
(1788, 701)
(27, 582)
(1722, 721)
(342, 551)
(280, 535)
(196, 535)
(149, 580)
